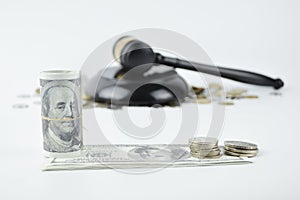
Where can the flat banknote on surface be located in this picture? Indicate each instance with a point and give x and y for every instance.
(136, 156)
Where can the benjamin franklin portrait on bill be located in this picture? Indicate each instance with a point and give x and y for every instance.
(61, 116)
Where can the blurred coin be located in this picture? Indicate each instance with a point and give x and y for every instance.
(240, 145)
(226, 103)
(203, 101)
(276, 93)
(219, 93)
(38, 91)
(233, 96)
(171, 104)
(201, 96)
(20, 106)
(87, 98)
(37, 103)
(119, 76)
(215, 86)
(24, 96)
(100, 105)
(198, 90)
(250, 96)
(236, 91)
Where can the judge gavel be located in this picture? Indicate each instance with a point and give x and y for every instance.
(130, 53)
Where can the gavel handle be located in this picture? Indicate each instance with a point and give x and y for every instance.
(233, 74)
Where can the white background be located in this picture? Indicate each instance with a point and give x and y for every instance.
(261, 36)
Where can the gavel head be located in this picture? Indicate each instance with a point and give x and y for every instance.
(130, 53)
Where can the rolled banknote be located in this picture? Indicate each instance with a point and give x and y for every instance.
(61, 112)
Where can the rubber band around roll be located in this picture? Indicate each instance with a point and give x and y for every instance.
(63, 119)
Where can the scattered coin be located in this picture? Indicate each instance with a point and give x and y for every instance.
(215, 86)
(276, 93)
(236, 91)
(219, 93)
(198, 90)
(38, 91)
(226, 103)
(87, 98)
(201, 96)
(250, 96)
(24, 96)
(20, 106)
(37, 103)
(173, 103)
(204, 101)
(100, 105)
(119, 76)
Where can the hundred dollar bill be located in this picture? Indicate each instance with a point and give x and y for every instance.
(61, 112)
(136, 156)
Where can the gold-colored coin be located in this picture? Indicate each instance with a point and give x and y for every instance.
(38, 91)
(226, 103)
(100, 105)
(215, 86)
(201, 96)
(237, 91)
(87, 97)
(119, 76)
(250, 96)
(204, 101)
(219, 93)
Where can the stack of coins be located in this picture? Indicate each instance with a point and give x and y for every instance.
(204, 147)
(240, 149)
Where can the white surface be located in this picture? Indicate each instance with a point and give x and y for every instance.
(261, 35)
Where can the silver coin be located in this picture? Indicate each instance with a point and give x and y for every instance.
(200, 156)
(249, 155)
(206, 153)
(203, 151)
(196, 147)
(203, 140)
(241, 145)
(240, 150)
